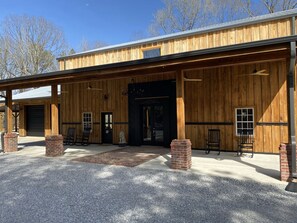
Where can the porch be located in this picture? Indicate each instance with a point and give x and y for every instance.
(261, 168)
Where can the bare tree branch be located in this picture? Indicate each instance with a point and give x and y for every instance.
(29, 45)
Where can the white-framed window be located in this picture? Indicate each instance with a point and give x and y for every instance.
(152, 52)
(244, 119)
(87, 121)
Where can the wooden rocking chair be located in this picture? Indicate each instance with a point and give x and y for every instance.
(245, 142)
(69, 138)
(213, 141)
(84, 138)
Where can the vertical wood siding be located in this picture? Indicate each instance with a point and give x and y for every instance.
(76, 99)
(243, 34)
(214, 99)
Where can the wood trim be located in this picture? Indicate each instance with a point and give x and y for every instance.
(121, 123)
(71, 123)
(272, 123)
(209, 123)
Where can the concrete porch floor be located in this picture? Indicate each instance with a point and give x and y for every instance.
(262, 167)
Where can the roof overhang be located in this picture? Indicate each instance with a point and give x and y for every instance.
(252, 52)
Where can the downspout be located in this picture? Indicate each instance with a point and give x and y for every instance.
(291, 88)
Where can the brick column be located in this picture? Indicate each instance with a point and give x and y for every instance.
(181, 154)
(10, 142)
(54, 145)
(285, 162)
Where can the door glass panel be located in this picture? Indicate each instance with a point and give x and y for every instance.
(158, 123)
(147, 136)
(153, 124)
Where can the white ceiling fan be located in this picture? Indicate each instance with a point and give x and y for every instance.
(257, 73)
(192, 79)
(90, 88)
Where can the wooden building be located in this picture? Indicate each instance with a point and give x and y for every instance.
(233, 76)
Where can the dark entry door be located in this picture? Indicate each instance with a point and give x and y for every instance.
(106, 121)
(35, 120)
(153, 124)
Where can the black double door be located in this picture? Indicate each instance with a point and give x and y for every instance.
(153, 124)
(152, 113)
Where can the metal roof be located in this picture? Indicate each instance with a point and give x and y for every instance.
(212, 28)
(66, 76)
(37, 93)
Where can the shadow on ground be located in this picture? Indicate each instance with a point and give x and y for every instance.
(51, 190)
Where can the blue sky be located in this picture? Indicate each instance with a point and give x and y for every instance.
(108, 21)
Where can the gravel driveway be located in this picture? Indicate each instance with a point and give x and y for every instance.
(51, 190)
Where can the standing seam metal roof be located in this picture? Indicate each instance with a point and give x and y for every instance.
(212, 28)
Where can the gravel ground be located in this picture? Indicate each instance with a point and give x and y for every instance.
(51, 190)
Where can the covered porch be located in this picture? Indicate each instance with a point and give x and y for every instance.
(262, 168)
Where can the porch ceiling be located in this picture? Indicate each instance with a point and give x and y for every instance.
(259, 51)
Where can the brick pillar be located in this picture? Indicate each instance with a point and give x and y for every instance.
(54, 145)
(181, 154)
(10, 142)
(285, 162)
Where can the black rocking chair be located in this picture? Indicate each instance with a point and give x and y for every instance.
(84, 138)
(245, 143)
(69, 138)
(213, 141)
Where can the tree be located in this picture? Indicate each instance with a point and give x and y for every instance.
(29, 45)
(85, 45)
(179, 15)
(182, 15)
(254, 8)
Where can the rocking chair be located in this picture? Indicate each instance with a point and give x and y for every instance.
(84, 138)
(245, 142)
(213, 141)
(69, 138)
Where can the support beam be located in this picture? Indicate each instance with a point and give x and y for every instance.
(180, 105)
(54, 142)
(54, 110)
(291, 103)
(8, 113)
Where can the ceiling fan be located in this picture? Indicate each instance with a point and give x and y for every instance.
(192, 79)
(90, 88)
(257, 73)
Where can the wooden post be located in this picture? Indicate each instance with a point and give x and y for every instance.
(9, 123)
(180, 105)
(54, 142)
(10, 138)
(181, 151)
(55, 112)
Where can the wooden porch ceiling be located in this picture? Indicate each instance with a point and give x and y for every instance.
(255, 52)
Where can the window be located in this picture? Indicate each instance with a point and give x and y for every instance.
(244, 121)
(87, 121)
(151, 53)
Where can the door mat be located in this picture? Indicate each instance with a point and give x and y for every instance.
(129, 156)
